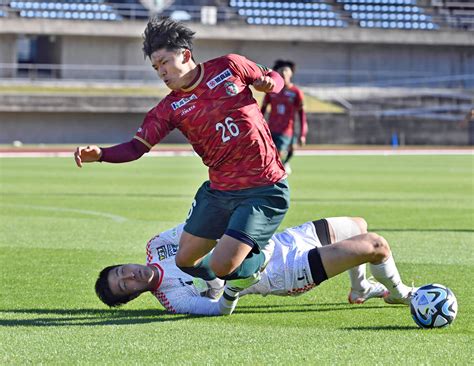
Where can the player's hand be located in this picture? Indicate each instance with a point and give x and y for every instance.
(87, 154)
(302, 141)
(264, 84)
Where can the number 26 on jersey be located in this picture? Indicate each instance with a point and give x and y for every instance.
(228, 129)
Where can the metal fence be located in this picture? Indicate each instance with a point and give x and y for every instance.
(145, 74)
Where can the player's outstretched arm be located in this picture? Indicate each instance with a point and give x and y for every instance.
(87, 154)
(122, 153)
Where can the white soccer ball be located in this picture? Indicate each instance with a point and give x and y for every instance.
(433, 306)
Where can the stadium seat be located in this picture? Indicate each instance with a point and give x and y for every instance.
(66, 9)
(388, 14)
(295, 13)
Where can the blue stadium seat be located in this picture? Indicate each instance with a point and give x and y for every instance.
(290, 13)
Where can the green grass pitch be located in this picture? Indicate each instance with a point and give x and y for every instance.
(60, 225)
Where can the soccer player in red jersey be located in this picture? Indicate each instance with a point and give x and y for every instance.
(247, 194)
(284, 105)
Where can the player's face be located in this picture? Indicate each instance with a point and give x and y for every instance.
(130, 279)
(173, 67)
(286, 74)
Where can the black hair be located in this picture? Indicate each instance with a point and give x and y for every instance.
(168, 34)
(103, 291)
(284, 63)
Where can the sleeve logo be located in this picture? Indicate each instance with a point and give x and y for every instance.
(224, 75)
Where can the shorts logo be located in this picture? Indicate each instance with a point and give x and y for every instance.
(231, 89)
(224, 75)
(183, 101)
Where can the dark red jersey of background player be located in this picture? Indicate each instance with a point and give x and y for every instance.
(283, 107)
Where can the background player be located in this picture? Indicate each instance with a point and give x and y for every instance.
(247, 194)
(283, 107)
(302, 259)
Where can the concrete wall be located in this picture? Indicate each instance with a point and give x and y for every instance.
(111, 128)
(103, 51)
(317, 62)
(444, 52)
(7, 54)
(72, 128)
(340, 129)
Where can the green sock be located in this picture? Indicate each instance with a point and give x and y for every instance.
(201, 270)
(248, 267)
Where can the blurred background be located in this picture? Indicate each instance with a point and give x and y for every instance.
(374, 72)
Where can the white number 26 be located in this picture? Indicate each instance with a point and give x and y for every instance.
(229, 129)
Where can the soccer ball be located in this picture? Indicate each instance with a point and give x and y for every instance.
(433, 306)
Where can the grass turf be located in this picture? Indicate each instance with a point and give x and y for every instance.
(60, 225)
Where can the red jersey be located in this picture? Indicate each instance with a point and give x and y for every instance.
(222, 121)
(283, 108)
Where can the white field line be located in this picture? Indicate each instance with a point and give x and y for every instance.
(115, 218)
(348, 152)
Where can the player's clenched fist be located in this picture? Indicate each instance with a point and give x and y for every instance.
(264, 84)
(87, 154)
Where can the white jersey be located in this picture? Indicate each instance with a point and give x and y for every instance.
(287, 272)
(176, 291)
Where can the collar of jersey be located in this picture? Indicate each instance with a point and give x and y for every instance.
(196, 83)
(161, 275)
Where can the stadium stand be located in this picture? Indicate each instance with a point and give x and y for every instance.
(388, 14)
(378, 14)
(297, 13)
(456, 14)
(71, 10)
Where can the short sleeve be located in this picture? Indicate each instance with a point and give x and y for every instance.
(154, 128)
(247, 70)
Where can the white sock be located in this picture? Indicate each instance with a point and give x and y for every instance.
(358, 280)
(387, 273)
(228, 301)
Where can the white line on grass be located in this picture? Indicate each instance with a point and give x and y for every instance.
(115, 218)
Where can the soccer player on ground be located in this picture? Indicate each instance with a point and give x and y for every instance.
(247, 194)
(303, 257)
(283, 107)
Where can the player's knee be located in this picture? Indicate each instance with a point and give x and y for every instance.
(182, 260)
(220, 268)
(379, 248)
(361, 223)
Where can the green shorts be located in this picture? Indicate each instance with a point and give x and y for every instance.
(252, 215)
(282, 142)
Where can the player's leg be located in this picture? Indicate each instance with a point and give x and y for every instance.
(193, 257)
(245, 247)
(282, 143)
(369, 247)
(361, 289)
(291, 149)
(206, 222)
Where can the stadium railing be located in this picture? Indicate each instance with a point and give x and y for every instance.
(323, 77)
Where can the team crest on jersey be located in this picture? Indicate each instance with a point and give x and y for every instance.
(224, 75)
(183, 101)
(231, 89)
